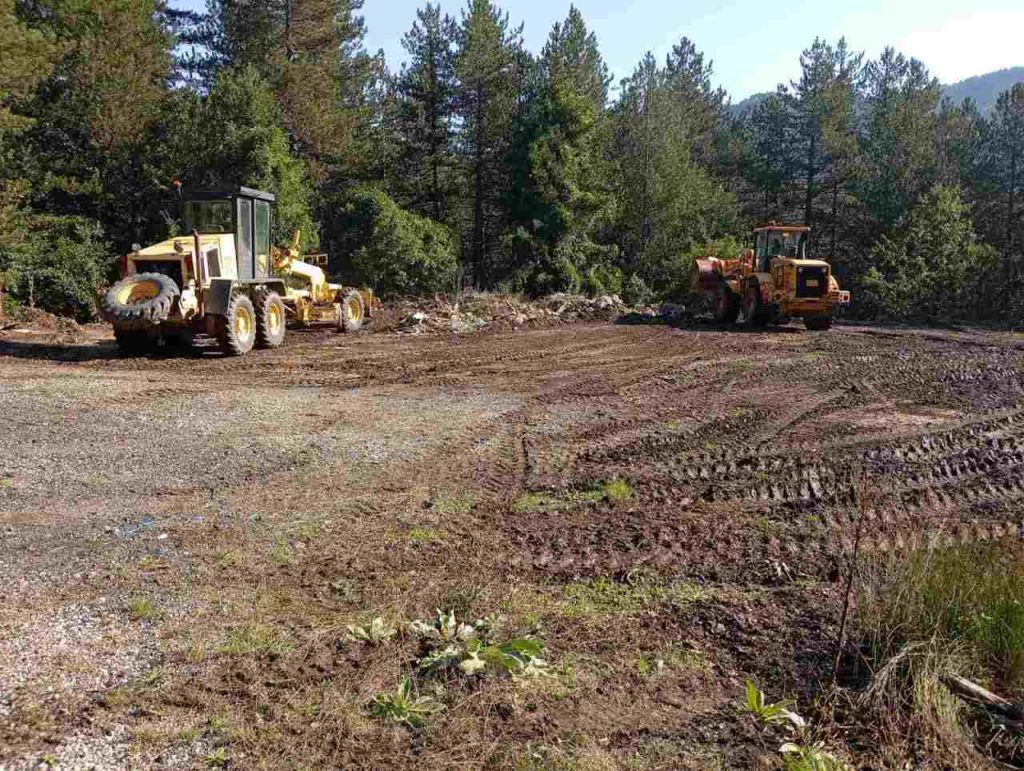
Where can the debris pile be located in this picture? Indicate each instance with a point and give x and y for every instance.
(476, 311)
(58, 329)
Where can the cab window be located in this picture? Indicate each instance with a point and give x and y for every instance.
(208, 216)
(262, 225)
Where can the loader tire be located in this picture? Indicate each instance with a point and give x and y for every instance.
(754, 313)
(727, 309)
(134, 342)
(818, 323)
(353, 313)
(236, 329)
(142, 297)
(270, 320)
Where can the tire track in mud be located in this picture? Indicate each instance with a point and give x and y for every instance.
(760, 498)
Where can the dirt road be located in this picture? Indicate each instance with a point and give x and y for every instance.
(183, 540)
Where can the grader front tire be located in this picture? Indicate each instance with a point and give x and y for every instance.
(236, 329)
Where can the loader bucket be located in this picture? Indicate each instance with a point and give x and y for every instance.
(704, 275)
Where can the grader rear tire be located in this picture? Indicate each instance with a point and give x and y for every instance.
(134, 342)
(353, 313)
(270, 320)
(236, 329)
(818, 323)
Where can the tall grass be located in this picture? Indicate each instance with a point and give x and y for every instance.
(970, 597)
(920, 617)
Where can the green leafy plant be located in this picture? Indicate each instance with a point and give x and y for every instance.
(470, 649)
(799, 751)
(770, 714)
(217, 758)
(401, 706)
(377, 632)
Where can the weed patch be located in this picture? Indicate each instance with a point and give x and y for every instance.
(143, 609)
(255, 639)
(603, 596)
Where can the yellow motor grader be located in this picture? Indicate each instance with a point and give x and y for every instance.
(772, 282)
(225, 279)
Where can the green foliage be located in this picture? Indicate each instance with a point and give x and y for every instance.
(528, 168)
(402, 707)
(935, 267)
(393, 250)
(491, 66)
(55, 262)
(243, 143)
(635, 291)
(425, 174)
(799, 751)
(26, 55)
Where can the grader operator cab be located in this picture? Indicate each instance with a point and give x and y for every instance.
(226, 279)
(772, 282)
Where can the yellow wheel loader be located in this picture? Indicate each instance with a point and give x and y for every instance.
(772, 282)
(225, 279)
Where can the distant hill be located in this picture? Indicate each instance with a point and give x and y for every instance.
(748, 104)
(983, 89)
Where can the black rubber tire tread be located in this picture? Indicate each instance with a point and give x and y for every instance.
(818, 323)
(134, 342)
(230, 343)
(265, 336)
(727, 309)
(154, 310)
(182, 340)
(754, 314)
(345, 324)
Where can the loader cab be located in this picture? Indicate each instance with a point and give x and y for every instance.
(245, 216)
(774, 241)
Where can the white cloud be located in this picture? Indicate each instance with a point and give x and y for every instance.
(972, 43)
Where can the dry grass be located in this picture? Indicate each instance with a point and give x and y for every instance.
(958, 611)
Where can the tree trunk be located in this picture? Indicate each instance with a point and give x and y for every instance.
(835, 208)
(1009, 201)
(809, 195)
(478, 188)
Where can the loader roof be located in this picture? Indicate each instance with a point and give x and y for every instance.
(241, 190)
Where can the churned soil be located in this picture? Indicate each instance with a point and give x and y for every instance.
(184, 537)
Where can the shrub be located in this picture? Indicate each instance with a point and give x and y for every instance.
(935, 268)
(59, 265)
(636, 292)
(396, 251)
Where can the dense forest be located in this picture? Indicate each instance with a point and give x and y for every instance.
(482, 164)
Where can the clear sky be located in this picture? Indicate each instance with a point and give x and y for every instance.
(754, 45)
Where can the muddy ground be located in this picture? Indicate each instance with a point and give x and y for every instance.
(184, 538)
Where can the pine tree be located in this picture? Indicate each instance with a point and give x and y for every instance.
(491, 68)
(667, 203)
(901, 98)
(775, 168)
(242, 143)
(822, 101)
(1006, 150)
(26, 56)
(559, 197)
(426, 92)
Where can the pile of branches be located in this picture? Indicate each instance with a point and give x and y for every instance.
(476, 311)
